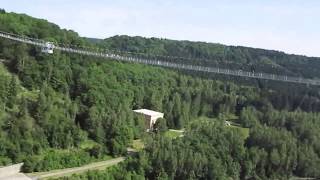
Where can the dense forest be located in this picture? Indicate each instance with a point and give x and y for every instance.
(67, 110)
(217, 55)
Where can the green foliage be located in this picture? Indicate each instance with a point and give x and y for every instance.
(160, 125)
(61, 102)
(96, 151)
(58, 159)
(280, 148)
(249, 117)
(211, 54)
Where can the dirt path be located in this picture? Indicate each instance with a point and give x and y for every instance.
(69, 171)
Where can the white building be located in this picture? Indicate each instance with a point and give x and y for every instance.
(150, 117)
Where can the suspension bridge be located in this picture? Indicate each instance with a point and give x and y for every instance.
(161, 63)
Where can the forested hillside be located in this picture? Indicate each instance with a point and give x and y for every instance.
(218, 55)
(66, 110)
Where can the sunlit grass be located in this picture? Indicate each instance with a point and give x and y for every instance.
(137, 144)
(230, 118)
(172, 134)
(88, 144)
(243, 131)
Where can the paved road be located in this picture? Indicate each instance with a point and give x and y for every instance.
(17, 176)
(69, 171)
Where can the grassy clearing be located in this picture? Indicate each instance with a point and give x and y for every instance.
(230, 118)
(243, 131)
(172, 134)
(88, 144)
(137, 144)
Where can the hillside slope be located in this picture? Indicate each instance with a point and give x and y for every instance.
(65, 110)
(211, 54)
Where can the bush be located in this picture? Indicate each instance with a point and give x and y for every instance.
(96, 151)
(30, 164)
